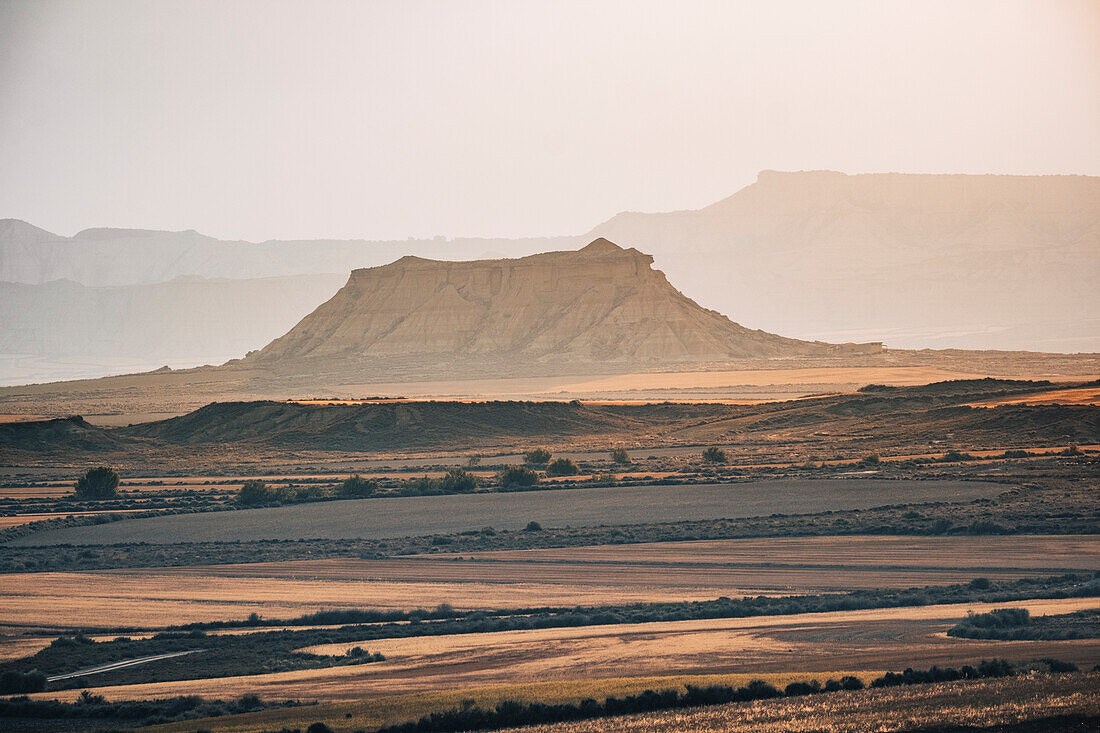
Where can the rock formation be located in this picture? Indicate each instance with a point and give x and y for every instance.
(601, 303)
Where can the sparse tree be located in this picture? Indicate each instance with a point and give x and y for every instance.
(97, 483)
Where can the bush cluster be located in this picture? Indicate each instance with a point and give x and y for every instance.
(12, 681)
(562, 467)
(1015, 624)
(513, 477)
(510, 713)
(457, 481)
(149, 712)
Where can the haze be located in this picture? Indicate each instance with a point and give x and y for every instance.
(258, 120)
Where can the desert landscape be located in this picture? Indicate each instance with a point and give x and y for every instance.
(654, 437)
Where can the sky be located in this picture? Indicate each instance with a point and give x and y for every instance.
(386, 120)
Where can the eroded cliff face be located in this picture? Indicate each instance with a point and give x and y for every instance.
(600, 303)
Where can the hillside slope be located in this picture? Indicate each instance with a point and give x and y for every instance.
(917, 261)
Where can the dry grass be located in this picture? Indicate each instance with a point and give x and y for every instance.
(969, 703)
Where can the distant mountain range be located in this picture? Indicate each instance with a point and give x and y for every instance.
(1006, 262)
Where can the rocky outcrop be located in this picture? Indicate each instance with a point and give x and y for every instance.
(601, 303)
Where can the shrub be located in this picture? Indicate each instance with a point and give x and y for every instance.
(97, 483)
(357, 487)
(256, 493)
(942, 526)
(980, 584)
(562, 467)
(537, 456)
(458, 481)
(13, 681)
(802, 688)
(533, 526)
(715, 455)
(871, 460)
(512, 476)
(620, 456)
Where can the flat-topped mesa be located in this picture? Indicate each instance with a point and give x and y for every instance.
(600, 303)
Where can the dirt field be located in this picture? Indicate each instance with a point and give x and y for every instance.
(809, 643)
(1056, 553)
(400, 517)
(673, 571)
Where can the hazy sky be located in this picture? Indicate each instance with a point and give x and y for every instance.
(271, 119)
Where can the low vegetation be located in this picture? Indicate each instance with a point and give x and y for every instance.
(620, 456)
(141, 712)
(13, 681)
(1015, 624)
